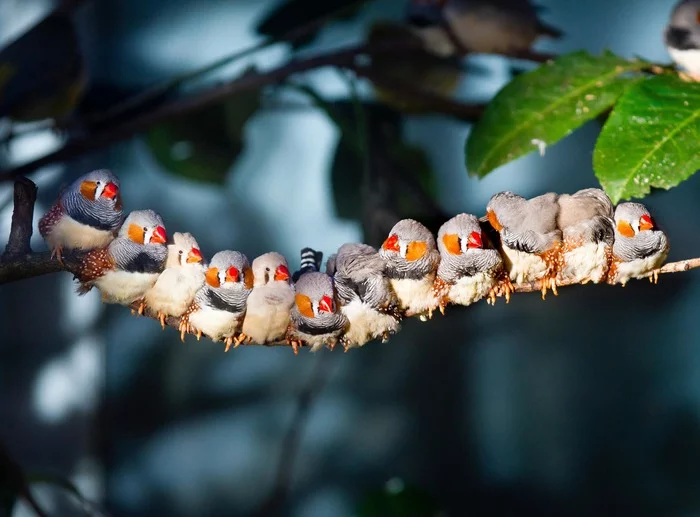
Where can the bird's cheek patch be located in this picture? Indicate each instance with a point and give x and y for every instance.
(625, 229)
(88, 190)
(416, 250)
(136, 233)
(248, 278)
(212, 277)
(451, 242)
(493, 220)
(304, 305)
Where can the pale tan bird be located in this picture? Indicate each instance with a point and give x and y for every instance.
(270, 301)
(640, 247)
(530, 237)
(586, 222)
(177, 285)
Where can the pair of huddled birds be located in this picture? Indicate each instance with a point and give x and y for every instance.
(364, 293)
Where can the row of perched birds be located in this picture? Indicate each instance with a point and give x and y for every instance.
(364, 293)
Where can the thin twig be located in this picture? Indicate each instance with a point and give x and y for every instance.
(22, 217)
(13, 478)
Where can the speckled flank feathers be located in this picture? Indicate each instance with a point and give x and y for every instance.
(50, 218)
(93, 265)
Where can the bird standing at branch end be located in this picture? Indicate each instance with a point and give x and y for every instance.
(86, 215)
(640, 247)
(682, 37)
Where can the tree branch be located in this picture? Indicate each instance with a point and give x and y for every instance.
(22, 219)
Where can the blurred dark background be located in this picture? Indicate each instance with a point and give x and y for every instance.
(585, 404)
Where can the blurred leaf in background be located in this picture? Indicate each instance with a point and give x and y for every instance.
(288, 15)
(205, 144)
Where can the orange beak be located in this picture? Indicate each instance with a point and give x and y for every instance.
(110, 191)
(325, 305)
(159, 236)
(282, 273)
(392, 243)
(212, 277)
(474, 240)
(194, 256)
(645, 223)
(232, 274)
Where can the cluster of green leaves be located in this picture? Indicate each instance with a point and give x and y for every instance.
(651, 137)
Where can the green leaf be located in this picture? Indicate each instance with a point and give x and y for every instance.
(545, 105)
(652, 138)
(204, 145)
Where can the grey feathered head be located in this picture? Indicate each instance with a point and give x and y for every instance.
(315, 295)
(410, 250)
(229, 270)
(631, 219)
(504, 209)
(94, 199)
(683, 31)
(270, 267)
(144, 227)
(459, 234)
(184, 251)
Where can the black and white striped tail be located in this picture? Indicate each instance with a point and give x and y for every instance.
(310, 262)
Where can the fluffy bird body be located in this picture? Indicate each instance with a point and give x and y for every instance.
(501, 26)
(586, 221)
(639, 248)
(182, 277)
(682, 36)
(220, 305)
(86, 215)
(365, 294)
(270, 301)
(132, 262)
(411, 261)
(530, 238)
(467, 272)
(315, 319)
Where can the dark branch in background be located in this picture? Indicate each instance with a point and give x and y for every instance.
(12, 478)
(276, 501)
(22, 218)
(343, 58)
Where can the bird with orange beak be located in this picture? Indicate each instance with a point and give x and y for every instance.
(220, 305)
(468, 270)
(86, 215)
(130, 265)
(639, 247)
(270, 301)
(315, 319)
(177, 285)
(412, 260)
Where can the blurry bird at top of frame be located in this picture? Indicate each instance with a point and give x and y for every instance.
(485, 26)
(416, 67)
(130, 264)
(586, 221)
(86, 215)
(412, 259)
(682, 38)
(364, 293)
(468, 270)
(219, 306)
(177, 285)
(530, 237)
(315, 319)
(639, 248)
(42, 73)
(270, 302)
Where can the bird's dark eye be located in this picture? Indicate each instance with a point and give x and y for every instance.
(267, 269)
(145, 228)
(97, 183)
(179, 252)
